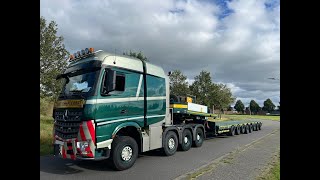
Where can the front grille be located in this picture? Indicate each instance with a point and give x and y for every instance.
(67, 123)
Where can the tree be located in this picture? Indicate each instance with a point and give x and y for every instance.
(221, 96)
(201, 88)
(239, 106)
(52, 59)
(268, 105)
(210, 94)
(254, 107)
(136, 55)
(230, 108)
(178, 83)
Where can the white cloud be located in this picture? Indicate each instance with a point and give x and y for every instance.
(242, 49)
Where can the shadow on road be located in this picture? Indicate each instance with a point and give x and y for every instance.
(56, 165)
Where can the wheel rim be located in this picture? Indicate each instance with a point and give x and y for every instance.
(186, 140)
(171, 143)
(126, 153)
(198, 137)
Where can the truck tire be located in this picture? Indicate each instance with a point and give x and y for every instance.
(247, 129)
(250, 128)
(237, 130)
(243, 129)
(170, 144)
(124, 152)
(255, 127)
(231, 131)
(259, 126)
(199, 138)
(186, 140)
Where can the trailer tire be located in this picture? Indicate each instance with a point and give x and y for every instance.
(124, 152)
(247, 129)
(186, 140)
(259, 126)
(250, 128)
(231, 131)
(237, 130)
(170, 144)
(243, 129)
(255, 127)
(199, 138)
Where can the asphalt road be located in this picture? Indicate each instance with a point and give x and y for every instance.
(152, 165)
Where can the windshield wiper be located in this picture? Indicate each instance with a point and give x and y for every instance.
(77, 93)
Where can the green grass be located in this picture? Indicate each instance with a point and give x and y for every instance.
(243, 117)
(46, 125)
(273, 173)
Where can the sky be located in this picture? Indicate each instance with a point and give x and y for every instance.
(237, 41)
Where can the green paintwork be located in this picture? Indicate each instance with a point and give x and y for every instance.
(111, 111)
(125, 124)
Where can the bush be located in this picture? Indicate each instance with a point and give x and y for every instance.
(46, 106)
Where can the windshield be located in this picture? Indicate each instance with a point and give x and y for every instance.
(80, 82)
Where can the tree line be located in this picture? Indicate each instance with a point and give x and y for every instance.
(254, 106)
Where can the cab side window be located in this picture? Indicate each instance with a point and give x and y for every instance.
(120, 82)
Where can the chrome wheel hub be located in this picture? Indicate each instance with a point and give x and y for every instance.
(171, 143)
(126, 153)
(198, 137)
(186, 140)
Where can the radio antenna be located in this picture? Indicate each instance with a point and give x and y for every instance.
(115, 56)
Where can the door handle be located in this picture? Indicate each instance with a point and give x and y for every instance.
(123, 111)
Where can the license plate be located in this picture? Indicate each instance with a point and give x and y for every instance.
(59, 142)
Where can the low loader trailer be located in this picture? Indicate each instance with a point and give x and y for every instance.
(115, 107)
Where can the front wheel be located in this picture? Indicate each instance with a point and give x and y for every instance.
(124, 152)
(199, 138)
(170, 143)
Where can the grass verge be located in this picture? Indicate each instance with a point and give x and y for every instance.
(46, 125)
(273, 173)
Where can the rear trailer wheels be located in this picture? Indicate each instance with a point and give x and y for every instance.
(243, 129)
(255, 127)
(237, 130)
(199, 138)
(231, 131)
(186, 140)
(170, 143)
(124, 152)
(259, 126)
(250, 128)
(247, 129)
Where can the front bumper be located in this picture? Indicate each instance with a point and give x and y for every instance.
(67, 149)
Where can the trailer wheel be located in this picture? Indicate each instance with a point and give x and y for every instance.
(237, 130)
(231, 131)
(171, 143)
(243, 129)
(259, 125)
(247, 129)
(250, 128)
(124, 152)
(186, 140)
(199, 138)
(255, 127)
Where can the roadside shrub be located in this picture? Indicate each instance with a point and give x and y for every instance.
(46, 106)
